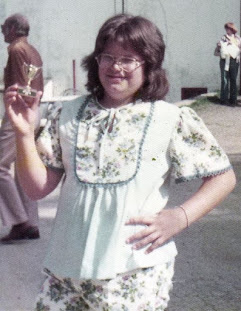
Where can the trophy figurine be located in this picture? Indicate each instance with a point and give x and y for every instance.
(31, 72)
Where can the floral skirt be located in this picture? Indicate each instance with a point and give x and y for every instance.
(144, 289)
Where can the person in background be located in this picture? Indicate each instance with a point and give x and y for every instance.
(17, 210)
(112, 243)
(228, 48)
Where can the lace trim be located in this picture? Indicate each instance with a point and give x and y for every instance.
(214, 173)
(138, 165)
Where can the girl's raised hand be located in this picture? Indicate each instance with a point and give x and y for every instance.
(22, 111)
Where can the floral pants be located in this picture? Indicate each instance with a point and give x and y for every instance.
(140, 290)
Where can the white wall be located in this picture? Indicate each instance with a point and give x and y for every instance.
(64, 30)
(191, 29)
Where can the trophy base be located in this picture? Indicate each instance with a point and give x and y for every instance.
(27, 92)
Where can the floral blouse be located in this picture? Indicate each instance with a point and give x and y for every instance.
(117, 165)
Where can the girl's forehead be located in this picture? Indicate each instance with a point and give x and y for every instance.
(116, 47)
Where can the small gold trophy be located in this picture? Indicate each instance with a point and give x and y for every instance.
(31, 72)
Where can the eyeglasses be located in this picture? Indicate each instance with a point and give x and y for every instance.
(127, 64)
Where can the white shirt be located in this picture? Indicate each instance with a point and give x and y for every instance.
(118, 164)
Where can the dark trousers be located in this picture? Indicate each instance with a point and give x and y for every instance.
(228, 81)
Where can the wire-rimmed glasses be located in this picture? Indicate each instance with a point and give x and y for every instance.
(127, 64)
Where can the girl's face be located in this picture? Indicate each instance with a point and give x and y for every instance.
(119, 85)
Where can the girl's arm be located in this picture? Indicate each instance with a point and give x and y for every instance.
(36, 179)
(170, 222)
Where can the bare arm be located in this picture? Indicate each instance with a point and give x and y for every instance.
(169, 222)
(36, 179)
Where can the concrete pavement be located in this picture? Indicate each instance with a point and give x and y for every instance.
(208, 267)
(21, 263)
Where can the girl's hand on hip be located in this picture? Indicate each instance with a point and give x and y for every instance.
(158, 228)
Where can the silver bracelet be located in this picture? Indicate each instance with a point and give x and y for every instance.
(181, 207)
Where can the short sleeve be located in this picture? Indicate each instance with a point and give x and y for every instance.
(48, 142)
(194, 151)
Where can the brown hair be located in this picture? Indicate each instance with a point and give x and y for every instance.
(232, 27)
(20, 23)
(146, 39)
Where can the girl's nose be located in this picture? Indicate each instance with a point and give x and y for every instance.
(117, 66)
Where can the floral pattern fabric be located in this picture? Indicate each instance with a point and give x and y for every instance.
(109, 142)
(117, 165)
(194, 151)
(141, 290)
(48, 144)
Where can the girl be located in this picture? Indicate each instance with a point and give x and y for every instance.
(111, 245)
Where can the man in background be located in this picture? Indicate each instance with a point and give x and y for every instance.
(16, 209)
(228, 48)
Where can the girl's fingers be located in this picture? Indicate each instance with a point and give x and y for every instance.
(31, 102)
(139, 235)
(147, 240)
(13, 87)
(10, 95)
(143, 220)
(157, 243)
